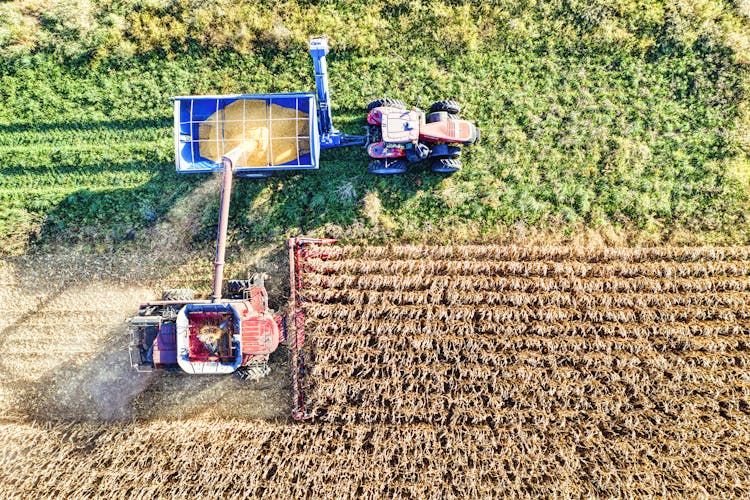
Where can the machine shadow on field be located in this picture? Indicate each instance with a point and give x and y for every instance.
(110, 125)
(79, 369)
(118, 247)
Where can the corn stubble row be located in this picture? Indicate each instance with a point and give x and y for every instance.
(575, 348)
(557, 455)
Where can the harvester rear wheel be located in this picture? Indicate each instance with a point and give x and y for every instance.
(236, 287)
(387, 167)
(446, 165)
(393, 103)
(178, 294)
(451, 107)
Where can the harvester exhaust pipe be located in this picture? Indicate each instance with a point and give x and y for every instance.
(228, 161)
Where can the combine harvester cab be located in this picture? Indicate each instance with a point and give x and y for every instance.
(200, 337)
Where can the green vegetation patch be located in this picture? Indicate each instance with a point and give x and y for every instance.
(625, 115)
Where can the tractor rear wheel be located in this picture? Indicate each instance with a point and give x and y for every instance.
(387, 166)
(451, 107)
(393, 103)
(441, 151)
(178, 294)
(446, 165)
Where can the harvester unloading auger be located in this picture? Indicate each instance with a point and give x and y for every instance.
(254, 135)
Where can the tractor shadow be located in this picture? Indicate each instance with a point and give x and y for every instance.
(340, 200)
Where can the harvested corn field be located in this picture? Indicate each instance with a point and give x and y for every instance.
(612, 370)
(453, 372)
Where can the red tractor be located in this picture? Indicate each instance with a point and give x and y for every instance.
(399, 136)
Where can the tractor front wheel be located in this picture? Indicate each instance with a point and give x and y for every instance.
(451, 107)
(446, 165)
(438, 116)
(387, 167)
(392, 103)
(178, 294)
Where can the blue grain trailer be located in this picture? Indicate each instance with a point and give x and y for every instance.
(278, 131)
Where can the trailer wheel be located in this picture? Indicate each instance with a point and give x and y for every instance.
(451, 107)
(393, 103)
(387, 167)
(253, 175)
(178, 294)
(446, 165)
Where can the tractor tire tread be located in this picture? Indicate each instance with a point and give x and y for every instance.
(446, 165)
(383, 167)
(386, 101)
(449, 106)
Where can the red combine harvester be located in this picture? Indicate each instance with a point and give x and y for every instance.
(218, 336)
(399, 136)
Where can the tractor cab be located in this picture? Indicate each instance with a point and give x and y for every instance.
(398, 126)
(394, 131)
(399, 136)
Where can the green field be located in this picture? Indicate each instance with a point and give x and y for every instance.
(626, 119)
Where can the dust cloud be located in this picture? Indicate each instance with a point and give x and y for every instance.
(63, 335)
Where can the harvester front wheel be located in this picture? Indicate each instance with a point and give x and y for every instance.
(178, 294)
(387, 167)
(392, 103)
(255, 371)
(446, 165)
(451, 107)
